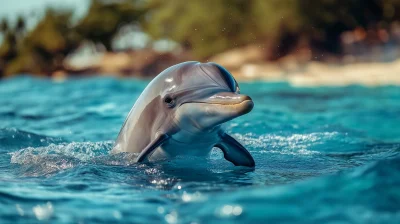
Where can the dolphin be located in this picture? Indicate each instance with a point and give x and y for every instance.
(181, 111)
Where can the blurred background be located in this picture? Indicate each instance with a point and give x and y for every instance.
(289, 40)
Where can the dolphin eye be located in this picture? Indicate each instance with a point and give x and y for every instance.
(169, 101)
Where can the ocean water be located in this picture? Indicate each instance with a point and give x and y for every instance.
(323, 155)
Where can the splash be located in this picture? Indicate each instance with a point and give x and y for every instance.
(38, 161)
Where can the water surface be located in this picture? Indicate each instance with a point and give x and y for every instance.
(323, 155)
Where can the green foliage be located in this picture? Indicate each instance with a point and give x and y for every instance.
(104, 20)
(53, 35)
(209, 27)
(8, 48)
(20, 27)
(4, 25)
(328, 19)
(349, 14)
(43, 49)
(24, 63)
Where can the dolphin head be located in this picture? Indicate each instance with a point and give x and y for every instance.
(201, 96)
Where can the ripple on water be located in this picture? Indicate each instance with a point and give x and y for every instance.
(13, 138)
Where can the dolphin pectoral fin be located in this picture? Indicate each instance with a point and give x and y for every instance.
(234, 152)
(151, 147)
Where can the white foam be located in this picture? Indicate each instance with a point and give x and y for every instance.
(295, 144)
(43, 212)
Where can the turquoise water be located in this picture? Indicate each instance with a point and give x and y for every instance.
(323, 155)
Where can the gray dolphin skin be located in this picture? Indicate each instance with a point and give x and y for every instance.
(181, 111)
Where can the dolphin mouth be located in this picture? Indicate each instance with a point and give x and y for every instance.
(224, 103)
(220, 103)
(224, 98)
(240, 100)
(237, 109)
(230, 109)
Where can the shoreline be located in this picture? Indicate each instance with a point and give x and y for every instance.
(311, 74)
(324, 74)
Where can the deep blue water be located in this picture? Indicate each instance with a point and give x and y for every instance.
(323, 155)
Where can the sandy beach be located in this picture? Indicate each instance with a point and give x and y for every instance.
(323, 74)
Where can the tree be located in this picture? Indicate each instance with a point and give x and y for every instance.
(104, 19)
(326, 20)
(4, 25)
(20, 27)
(43, 49)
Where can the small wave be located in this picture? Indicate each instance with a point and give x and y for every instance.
(54, 158)
(38, 161)
(12, 138)
(296, 144)
(370, 152)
